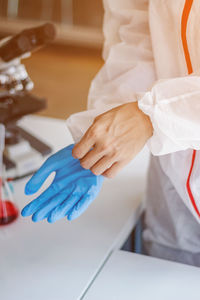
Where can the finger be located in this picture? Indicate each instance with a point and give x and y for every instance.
(46, 208)
(34, 205)
(91, 158)
(85, 144)
(102, 165)
(114, 169)
(37, 180)
(62, 210)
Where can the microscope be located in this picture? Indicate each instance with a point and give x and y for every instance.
(23, 152)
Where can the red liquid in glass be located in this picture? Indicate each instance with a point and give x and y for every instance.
(8, 212)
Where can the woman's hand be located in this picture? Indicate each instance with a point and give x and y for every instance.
(113, 140)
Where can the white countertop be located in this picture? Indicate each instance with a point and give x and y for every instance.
(59, 261)
(128, 276)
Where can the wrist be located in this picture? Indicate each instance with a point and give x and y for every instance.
(148, 127)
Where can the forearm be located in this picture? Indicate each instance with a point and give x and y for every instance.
(129, 65)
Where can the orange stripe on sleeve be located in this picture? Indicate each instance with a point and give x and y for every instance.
(184, 21)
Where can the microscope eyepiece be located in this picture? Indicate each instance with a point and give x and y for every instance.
(27, 41)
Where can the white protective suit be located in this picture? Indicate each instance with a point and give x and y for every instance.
(152, 55)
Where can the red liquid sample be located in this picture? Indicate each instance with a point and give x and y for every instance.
(8, 212)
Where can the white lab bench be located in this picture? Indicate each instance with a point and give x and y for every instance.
(128, 276)
(60, 261)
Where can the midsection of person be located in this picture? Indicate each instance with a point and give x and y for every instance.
(174, 178)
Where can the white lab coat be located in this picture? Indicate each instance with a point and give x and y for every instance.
(152, 56)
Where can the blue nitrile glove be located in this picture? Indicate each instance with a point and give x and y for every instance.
(71, 192)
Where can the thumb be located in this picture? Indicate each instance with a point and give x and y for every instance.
(52, 164)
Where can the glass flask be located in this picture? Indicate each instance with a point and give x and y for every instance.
(8, 209)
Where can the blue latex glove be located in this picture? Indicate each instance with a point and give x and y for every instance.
(71, 192)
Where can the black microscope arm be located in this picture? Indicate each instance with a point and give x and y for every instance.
(27, 40)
